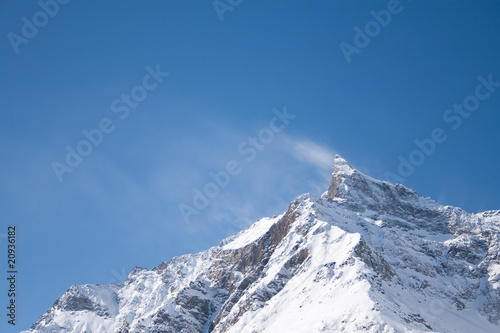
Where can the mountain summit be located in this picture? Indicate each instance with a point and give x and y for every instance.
(365, 256)
(341, 170)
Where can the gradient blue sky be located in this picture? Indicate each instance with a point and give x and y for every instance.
(120, 207)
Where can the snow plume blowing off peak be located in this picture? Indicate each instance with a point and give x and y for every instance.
(368, 256)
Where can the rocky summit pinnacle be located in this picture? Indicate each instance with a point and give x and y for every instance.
(366, 256)
(341, 169)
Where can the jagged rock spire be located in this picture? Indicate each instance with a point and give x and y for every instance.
(341, 169)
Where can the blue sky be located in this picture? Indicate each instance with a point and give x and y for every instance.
(119, 207)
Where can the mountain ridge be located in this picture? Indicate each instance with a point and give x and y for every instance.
(394, 260)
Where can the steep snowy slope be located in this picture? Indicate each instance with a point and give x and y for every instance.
(366, 256)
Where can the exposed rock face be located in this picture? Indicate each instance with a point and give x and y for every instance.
(367, 256)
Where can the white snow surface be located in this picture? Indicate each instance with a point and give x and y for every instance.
(251, 234)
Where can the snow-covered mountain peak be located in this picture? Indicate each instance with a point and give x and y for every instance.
(341, 166)
(361, 193)
(366, 256)
(340, 171)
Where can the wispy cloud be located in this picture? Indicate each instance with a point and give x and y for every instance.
(310, 152)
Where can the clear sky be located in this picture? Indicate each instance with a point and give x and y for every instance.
(257, 94)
